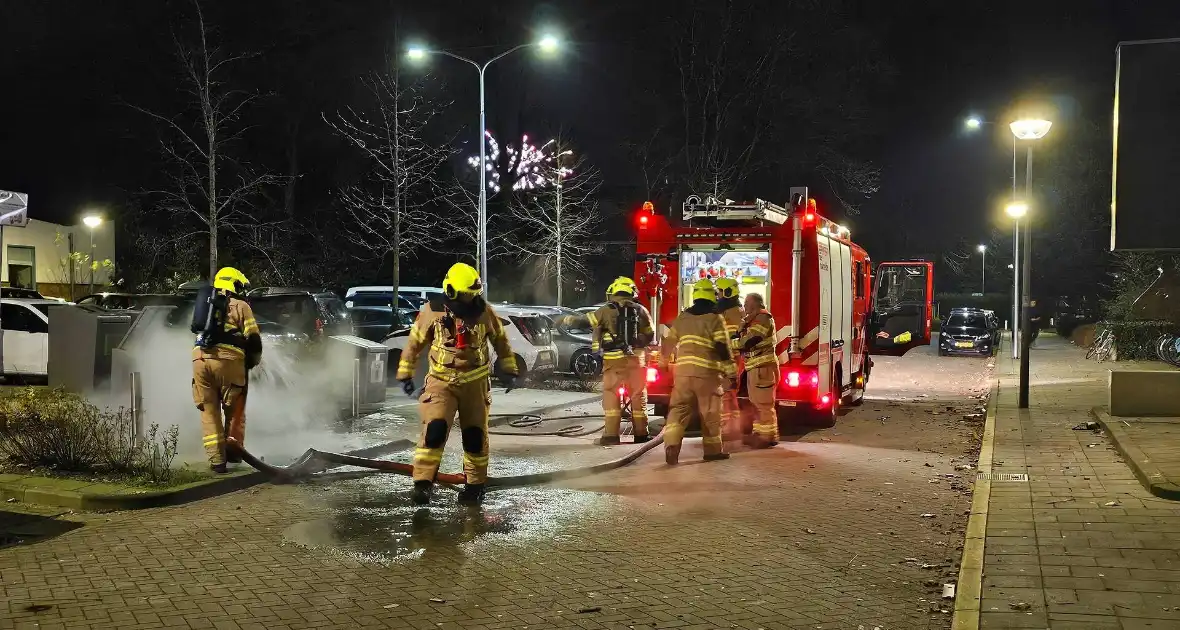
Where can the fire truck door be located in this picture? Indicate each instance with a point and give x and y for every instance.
(903, 296)
(851, 360)
(823, 357)
(837, 309)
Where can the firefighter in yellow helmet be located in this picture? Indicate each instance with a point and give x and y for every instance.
(730, 309)
(228, 345)
(703, 370)
(622, 331)
(756, 342)
(455, 329)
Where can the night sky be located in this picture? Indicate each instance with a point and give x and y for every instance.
(69, 68)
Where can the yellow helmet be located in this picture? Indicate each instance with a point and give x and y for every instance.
(727, 288)
(703, 290)
(622, 285)
(230, 279)
(461, 279)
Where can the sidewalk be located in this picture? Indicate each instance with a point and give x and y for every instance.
(1080, 544)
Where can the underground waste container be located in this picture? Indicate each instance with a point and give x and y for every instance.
(360, 366)
(81, 341)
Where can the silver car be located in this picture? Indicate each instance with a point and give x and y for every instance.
(574, 354)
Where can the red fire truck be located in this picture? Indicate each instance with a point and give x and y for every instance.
(830, 308)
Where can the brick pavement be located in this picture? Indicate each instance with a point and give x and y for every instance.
(1081, 544)
(818, 534)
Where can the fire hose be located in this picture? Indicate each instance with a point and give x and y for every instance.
(314, 461)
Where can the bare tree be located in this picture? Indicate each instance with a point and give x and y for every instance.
(557, 224)
(393, 212)
(197, 146)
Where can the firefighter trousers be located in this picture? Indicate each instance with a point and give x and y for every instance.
(731, 414)
(437, 407)
(761, 383)
(628, 373)
(695, 395)
(219, 391)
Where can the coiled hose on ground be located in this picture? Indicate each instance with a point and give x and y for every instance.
(314, 461)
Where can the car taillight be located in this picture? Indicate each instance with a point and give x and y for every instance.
(653, 375)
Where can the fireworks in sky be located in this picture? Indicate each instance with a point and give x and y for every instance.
(531, 166)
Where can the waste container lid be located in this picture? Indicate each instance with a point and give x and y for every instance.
(363, 343)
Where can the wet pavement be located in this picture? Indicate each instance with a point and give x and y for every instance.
(860, 524)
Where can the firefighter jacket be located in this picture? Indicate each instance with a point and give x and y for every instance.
(698, 339)
(458, 346)
(757, 339)
(238, 338)
(607, 329)
(732, 314)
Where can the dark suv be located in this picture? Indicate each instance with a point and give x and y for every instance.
(312, 314)
(969, 331)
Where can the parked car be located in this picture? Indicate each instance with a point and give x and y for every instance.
(380, 298)
(590, 309)
(273, 290)
(969, 331)
(417, 294)
(25, 323)
(528, 333)
(133, 301)
(375, 322)
(574, 354)
(21, 294)
(313, 314)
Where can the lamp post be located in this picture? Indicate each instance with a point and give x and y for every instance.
(92, 221)
(1028, 130)
(546, 43)
(983, 270)
(1016, 210)
(975, 123)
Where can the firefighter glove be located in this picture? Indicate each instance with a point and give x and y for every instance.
(408, 387)
(507, 381)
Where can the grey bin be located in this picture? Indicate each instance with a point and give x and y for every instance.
(81, 342)
(367, 380)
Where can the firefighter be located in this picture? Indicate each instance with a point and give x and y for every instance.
(454, 329)
(622, 329)
(757, 341)
(228, 346)
(730, 309)
(698, 339)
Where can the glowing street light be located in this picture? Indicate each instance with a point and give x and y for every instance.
(983, 268)
(91, 221)
(547, 43)
(1028, 129)
(973, 123)
(1016, 209)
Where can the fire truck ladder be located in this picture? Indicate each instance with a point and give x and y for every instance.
(729, 210)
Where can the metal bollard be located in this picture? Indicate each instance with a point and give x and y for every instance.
(356, 387)
(136, 406)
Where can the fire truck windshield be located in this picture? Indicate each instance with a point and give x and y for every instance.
(900, 284)
(744, 263)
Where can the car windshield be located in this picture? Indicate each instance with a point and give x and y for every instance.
(294, 311)
(380, 299)
(967, 320)
(333, 306)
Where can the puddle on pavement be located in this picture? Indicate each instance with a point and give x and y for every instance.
(373, 520)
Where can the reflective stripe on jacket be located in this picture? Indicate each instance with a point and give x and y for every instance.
(761, 327)
(700, 344)
(458, 347)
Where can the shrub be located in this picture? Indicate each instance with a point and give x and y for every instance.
(1136, 340)
(65, 432)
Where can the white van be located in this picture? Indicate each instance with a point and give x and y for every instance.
(24, 342)
(414, 296)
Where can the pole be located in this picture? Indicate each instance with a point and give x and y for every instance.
(73, 263)
(983, 276)
(91, 261)
(1015, 265)
(483, 189)
(1025, 324)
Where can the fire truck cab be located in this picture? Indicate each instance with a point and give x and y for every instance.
(831, 310)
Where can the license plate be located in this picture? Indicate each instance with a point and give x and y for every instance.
(786, 403)
(964, 344)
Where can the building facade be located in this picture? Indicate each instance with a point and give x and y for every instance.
(49, 258)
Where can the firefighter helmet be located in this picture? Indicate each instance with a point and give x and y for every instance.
(727, 288)
(230, 279)
(703, 290)
(622, 286)
(462, 279)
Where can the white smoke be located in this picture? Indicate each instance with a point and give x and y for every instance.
(294, 402)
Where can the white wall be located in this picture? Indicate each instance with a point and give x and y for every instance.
(51, 255)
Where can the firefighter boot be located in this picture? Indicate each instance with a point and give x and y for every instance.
(640, 439)
(712, 457)
(423, 491)
(757, 441)
(672, 455)
(219, 469)
(471, 494)
(608, 440)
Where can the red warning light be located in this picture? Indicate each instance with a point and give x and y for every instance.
(643, 220)
(810, 216)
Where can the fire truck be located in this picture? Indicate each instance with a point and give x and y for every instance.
(831, 309)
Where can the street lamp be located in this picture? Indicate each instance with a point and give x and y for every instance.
(973, 123)
(1028, 130)
(546, 43)
(983, 268)
(1016, 210)
(92, 221)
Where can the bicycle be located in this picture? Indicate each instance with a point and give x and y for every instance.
(1102, 346)
(1168, 349)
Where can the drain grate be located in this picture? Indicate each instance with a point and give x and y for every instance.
(1002, 477)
